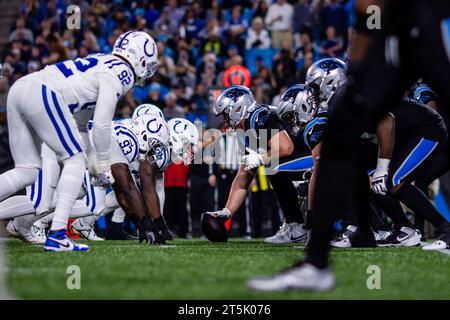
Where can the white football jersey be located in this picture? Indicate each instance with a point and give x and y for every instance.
(123, 135)
(77, 80)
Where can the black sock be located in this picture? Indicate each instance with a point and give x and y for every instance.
(115, 225)
(392, 207)
(160, 222)
(418, 202)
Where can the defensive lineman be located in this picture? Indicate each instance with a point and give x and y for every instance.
(58, 93)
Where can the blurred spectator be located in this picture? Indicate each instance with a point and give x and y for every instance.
(304, 16)
(236, 27)
(164, 24)
(200, 98)
(209, 74)
(172, 109)
(308, 61)
(57, 50)
(183, 96)
(4, 87)
(333, 14)
(176, 12)
(332, 45)
(257, 36)
(21, 32)
(184, 75)
(214, 12)
(283, 68)
(261, 10)
(212, 43)
(155, 95)
(279, 21)
(151, 14)
(125, 111)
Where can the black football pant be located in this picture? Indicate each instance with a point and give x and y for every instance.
(175, 210)
(201, 200)
(419, 29)
(286, 194)
(440, 166)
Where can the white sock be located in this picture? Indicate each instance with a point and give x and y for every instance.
(69, 186)
(15, 207)
(79, 209)
(118, 216)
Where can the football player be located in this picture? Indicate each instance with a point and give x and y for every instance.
(421, 93)
(40, 202)
(239, 110)
(42, 107)
(145, 147)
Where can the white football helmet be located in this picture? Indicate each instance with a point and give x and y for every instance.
(139, 49)
(184, 138)
(325, 76)
(152, 132)
(233, 104)
(147, 108)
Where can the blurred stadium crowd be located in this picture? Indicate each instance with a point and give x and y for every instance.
(276, 40)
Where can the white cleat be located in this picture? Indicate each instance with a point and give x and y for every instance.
(12, 230)
(21, 228)
(343, 239)
(381, 235)
(85, 227)
(38, 233)
(303, 277)
(438, 245)
(289, 233)
(405, 237)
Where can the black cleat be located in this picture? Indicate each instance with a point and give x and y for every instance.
(115, 232)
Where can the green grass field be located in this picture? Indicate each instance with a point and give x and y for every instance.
(197, 269)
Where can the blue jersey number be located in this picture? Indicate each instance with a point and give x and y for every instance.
(124, 77)
(127, 147)
(82, 65)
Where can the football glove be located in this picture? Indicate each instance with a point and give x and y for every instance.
(252, 160)
(379, 178)
(223, 214)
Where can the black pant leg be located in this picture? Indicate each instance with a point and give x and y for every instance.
(286, 195)
(169, 210)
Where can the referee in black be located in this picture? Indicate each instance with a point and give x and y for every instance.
(413, 43)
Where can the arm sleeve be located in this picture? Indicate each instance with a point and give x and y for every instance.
(108, 95)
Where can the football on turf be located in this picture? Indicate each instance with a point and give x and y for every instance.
(214, 228)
